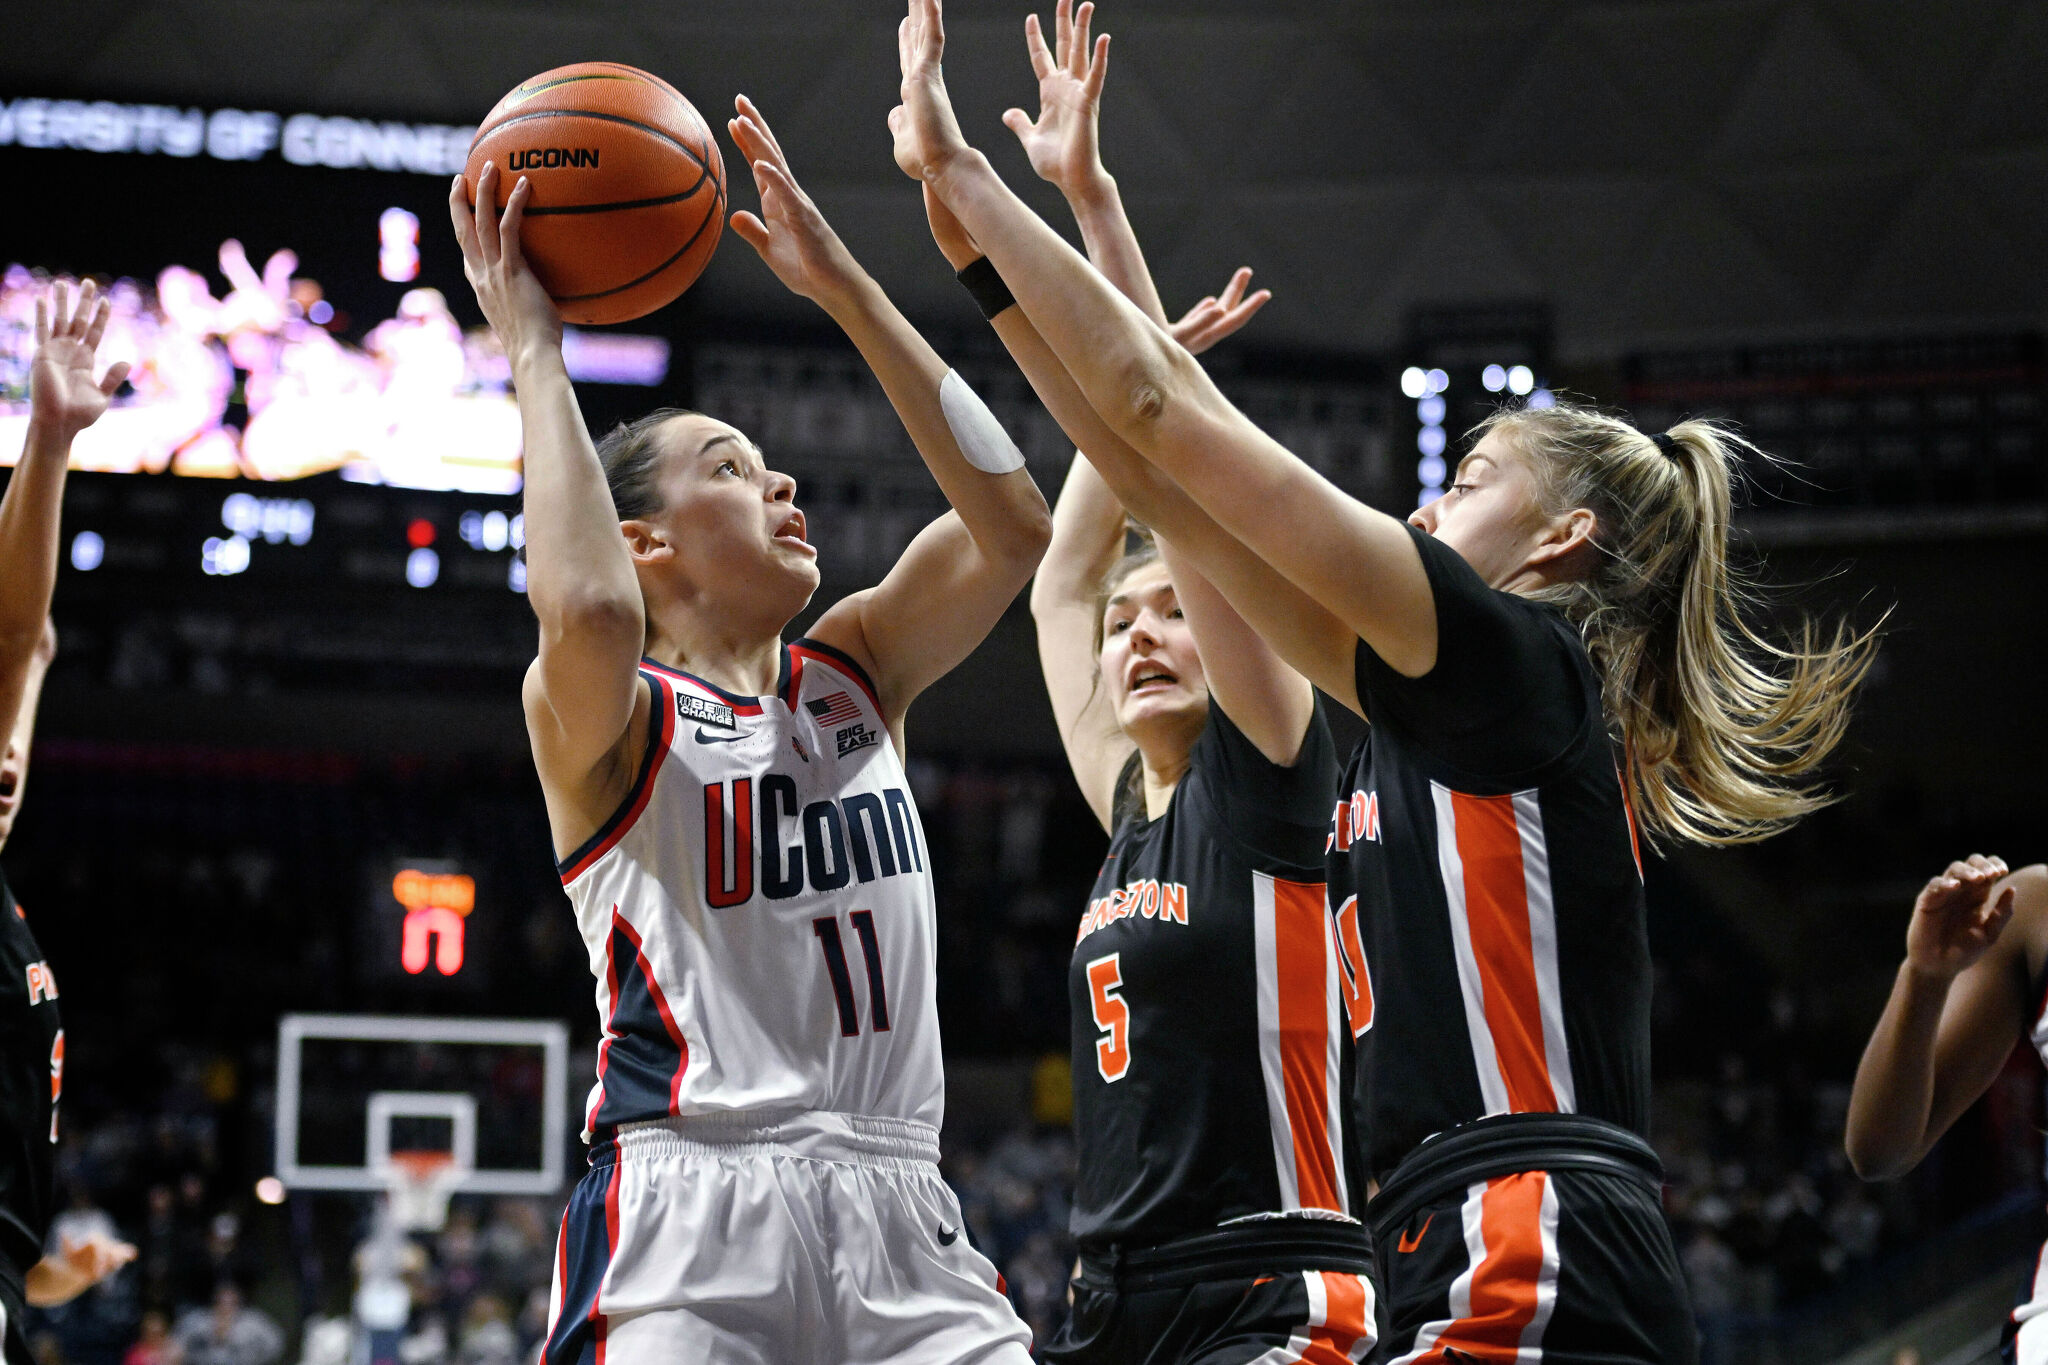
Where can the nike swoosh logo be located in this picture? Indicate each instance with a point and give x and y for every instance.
(1407, 1243)
(946, 1238)
(703, 738)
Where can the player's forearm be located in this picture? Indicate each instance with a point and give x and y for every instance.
(1124, 480)
(30, 518)
(1004, 513)
(1113, 244)
(1129, 370)
(1087, 535)
(577, 564)
(1895, 1082)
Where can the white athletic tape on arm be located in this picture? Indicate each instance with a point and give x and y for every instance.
(980, 436)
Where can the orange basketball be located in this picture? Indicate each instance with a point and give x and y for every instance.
(628, 187)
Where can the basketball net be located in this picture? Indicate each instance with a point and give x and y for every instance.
(418, 1185)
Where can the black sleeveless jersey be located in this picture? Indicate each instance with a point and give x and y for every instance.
(1209, 1045)
(1485, 881)
(31, 1079)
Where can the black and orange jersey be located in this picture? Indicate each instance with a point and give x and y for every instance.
(31, 1079)
(1209, 1044)
(1485, 881)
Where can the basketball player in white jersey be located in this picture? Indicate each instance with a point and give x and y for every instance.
(737, 837)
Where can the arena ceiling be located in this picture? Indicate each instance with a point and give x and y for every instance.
(1666, 171)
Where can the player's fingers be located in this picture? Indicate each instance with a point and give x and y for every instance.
(1062, 29)
(1098, 70)
(98, 327)
(487, 215)
(743, 138)
(1234, 290)
(88, 300)
(769, 176)
(752, 112)
(1018, 122)
(751, 230)
(750, 126)
(508, 226)
(1985, 867)
(1034, 45)
(42, 320)
(770, 149)
(462, 220)
(60, 308)
(1078, 44)
(903, 45)
(116, 375)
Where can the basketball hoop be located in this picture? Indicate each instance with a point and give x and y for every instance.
(418, 1185)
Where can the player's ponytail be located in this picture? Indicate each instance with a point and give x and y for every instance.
(1721, 726)
(631, 460)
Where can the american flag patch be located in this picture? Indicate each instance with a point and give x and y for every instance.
(836, 709)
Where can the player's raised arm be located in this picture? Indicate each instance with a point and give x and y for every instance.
(958, 575)
(1958, 1004)
(1270, 701)
(1360, 563)
(64, 399)
(582, 691)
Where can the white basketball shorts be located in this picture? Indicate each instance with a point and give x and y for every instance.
(751, 1239)
(2026, 1331)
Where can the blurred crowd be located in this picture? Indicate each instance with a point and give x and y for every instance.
(222, 1279)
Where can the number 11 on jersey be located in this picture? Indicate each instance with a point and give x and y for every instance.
(826, 927)
(1112, 1016)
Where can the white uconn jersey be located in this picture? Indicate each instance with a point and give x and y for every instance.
(759, 910)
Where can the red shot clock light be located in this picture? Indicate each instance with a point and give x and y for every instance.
(437, 905)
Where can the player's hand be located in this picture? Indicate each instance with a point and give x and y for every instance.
(1955, 920)
(518, 309)
(1062, 143)
(63, 397)
(790, 234)
(1219, 316)
(926, 133)
(956, 243)
(76, 1267)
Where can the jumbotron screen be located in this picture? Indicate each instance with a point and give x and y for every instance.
(284, 286)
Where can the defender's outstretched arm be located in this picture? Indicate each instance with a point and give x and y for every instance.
(956, 578)
(1359, 562)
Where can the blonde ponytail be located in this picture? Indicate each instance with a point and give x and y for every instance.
(1721, 727)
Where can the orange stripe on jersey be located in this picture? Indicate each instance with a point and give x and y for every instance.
(1497, 908)
(1301, 955)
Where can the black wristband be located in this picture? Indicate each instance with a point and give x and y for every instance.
(991, 295)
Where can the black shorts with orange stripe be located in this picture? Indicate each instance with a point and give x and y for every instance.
(1531, 1237)
(1271, 1291)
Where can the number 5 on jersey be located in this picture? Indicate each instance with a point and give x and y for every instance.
(1112, 1016)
